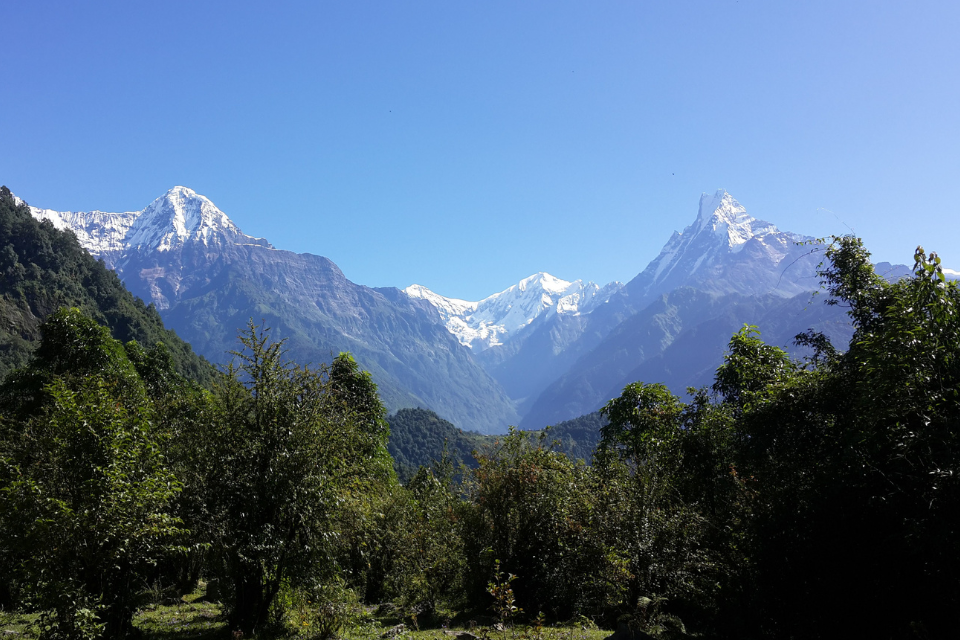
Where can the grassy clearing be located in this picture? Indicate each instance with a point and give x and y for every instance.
(190, 618)
(195, 618)
(14, 626)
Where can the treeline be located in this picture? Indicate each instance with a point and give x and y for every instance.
(812, 499)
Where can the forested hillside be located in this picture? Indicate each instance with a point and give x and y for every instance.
(814, 498)
(579, 437)
(43, 269)
(420, 438)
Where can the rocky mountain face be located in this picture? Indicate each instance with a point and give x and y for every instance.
(209, 279)
(725, 250)
(679, 340)
(670, 324)
(741, 264)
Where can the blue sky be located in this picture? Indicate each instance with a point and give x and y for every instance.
(464, 145)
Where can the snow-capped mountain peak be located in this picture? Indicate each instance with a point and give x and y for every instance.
(497, 318)
(445, 306)
(727, 219)
(706, 254)
(542, 280)
(179, 216)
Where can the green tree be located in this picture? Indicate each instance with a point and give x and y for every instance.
(421, 548)
(530, 509)
(286, 458)
(84, 492)
(854, 460)
(749, 367)
(647, 519)
(354, 394)
(642, 418)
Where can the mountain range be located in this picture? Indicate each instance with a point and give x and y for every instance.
(539, 352)
(670, 323)
(208, 280)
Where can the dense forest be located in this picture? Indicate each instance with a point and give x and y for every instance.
(791, 499)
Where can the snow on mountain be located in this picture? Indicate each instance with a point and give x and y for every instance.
(727, 219)
(176, 217)
(181, 214)
(448, 307)
(495, 319)
(100, 233)
(726, 224)
(727, 250)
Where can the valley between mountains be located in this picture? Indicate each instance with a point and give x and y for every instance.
(539, 352)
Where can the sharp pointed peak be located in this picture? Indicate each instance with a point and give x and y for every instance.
(181, 215)
(180, 193)
(721, 200)
(717, 195)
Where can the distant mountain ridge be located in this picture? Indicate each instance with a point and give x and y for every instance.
(208, 279)
(497, 318)
(722, 270)
(175, 218)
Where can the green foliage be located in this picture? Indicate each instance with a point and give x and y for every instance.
(84, 491)
(286, 459)
(423, 548)
(850, 465)
(419, 437)
(321, 611)
(749, 367)
(644, 417)
(849, 279)
(355, 395)
(503, 599)
(530, 508)
(651, 526)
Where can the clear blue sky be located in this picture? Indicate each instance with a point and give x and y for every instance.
(465, 145)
